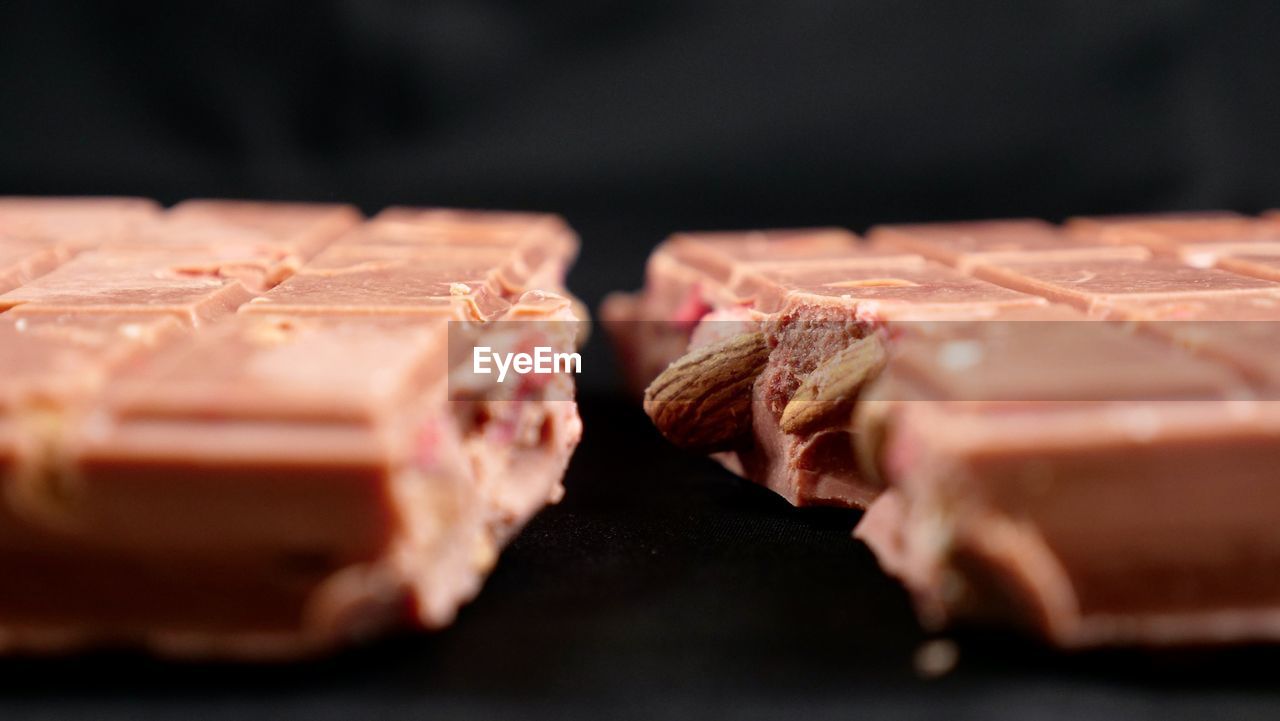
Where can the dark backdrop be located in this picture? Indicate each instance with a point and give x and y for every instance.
(637, 118)
(661, 585)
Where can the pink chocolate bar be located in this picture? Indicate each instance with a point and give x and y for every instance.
(236, 430)
(1021, 458)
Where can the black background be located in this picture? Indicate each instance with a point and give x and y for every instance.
(661, 586)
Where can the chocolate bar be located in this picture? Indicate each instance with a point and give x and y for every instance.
(242, 429)
(1056, 427)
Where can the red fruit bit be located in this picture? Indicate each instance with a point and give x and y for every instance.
(691, 309)
(428, 444)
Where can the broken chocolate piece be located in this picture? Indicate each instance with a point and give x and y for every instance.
(1024, 460)
(184, 470)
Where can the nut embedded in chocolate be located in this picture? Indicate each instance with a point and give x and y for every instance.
(828, 392)
(703, 400)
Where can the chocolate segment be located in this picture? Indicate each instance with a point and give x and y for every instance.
(234, 431)
(1240, 331)
(1164, 231)
(297, 228)
(74, 223)
(1257, 262)
(430, 262)
(195, 286)
(272, 240)
(52, 359)
(969, 243)
(1098, 285)
(21, 261)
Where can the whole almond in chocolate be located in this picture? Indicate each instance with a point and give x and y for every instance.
(702, 401)
(826, 395)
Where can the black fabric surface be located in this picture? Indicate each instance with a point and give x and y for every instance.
(662, 586)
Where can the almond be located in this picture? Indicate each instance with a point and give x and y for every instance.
(826, 395)
(703, 400)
